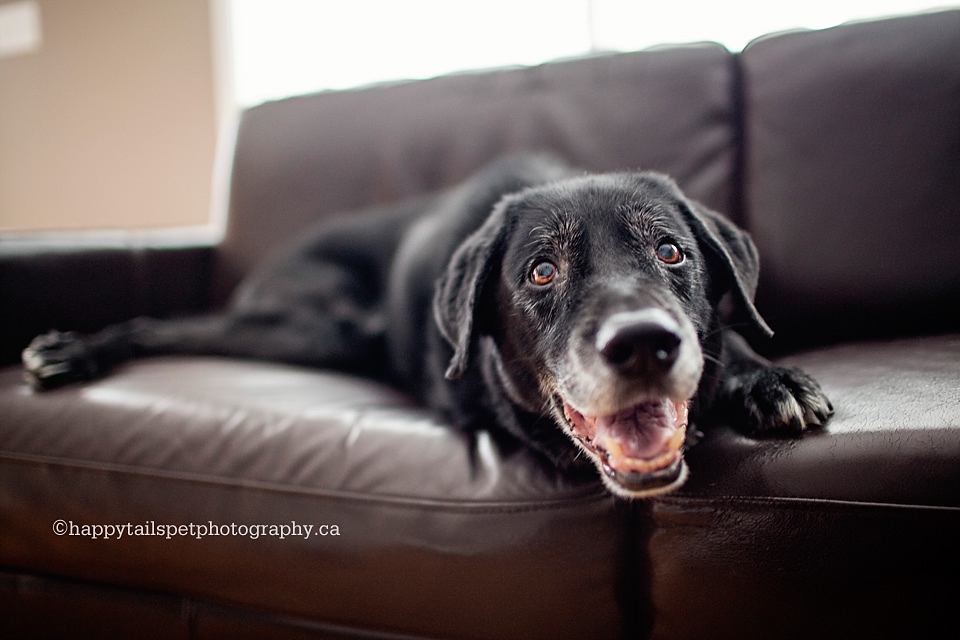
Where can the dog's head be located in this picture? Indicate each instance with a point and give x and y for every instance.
(598, 294)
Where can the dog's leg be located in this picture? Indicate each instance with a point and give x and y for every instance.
(59, 358)
(317, 303)
(56, 359)
(761, 398)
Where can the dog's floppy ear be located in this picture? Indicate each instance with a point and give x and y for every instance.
(459, 288)
(738, 254)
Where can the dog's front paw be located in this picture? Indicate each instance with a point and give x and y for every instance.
(55, 359)
(776, 400)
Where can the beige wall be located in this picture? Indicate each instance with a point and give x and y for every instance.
(112, 123)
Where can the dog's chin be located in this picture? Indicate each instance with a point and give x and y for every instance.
(639, 449)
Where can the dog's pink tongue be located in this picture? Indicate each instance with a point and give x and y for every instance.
(643, 432)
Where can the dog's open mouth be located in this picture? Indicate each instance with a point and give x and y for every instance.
(640, 448)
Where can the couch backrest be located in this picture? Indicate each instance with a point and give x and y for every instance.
(852, 177)
(304, 158)
(839, 150)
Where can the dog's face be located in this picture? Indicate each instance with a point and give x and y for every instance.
(598, 293)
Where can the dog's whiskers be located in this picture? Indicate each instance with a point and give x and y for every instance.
(714, 359)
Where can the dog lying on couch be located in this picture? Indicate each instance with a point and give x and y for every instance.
(581, 313)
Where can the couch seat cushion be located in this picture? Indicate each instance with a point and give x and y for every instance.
(430, 521)
(847, 532)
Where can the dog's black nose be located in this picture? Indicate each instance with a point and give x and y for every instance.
(639, 342)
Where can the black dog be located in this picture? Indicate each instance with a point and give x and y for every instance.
(577, 312)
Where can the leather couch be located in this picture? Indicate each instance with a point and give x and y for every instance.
(840, 151)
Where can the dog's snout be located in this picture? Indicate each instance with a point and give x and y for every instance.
(639, 342)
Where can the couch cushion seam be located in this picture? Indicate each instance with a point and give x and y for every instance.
(586, 496)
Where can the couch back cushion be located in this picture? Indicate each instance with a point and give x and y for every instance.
(852, 179)
(301, 159)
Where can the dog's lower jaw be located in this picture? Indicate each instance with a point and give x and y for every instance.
(651, 485)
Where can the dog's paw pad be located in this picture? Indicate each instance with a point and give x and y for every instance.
(778, 400)
(55, 359)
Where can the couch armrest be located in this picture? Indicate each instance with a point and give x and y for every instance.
(84, 281)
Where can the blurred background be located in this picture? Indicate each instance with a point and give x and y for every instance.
(116, 114)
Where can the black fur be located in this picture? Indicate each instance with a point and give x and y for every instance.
(439, 297)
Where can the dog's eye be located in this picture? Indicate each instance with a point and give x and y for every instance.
(543, 273)
(669, 253)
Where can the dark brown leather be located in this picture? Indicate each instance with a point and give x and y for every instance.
(180, 440)
(895, 436)
(305, 158)
(851, 178)
(848, 532)
(777, 568)
(431, 521)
